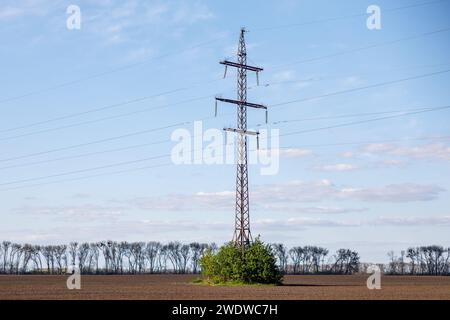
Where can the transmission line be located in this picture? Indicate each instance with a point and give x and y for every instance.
(171, 164)
(356, 15)
(380, 44)
(168, 155)
(195, 136)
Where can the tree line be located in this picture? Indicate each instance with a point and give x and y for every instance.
(112, 257)
(424, 260)
(106, 257)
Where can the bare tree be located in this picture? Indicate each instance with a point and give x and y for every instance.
(47, 252)
(73, 249)
(282, 255)
(173, 253)
(83, 252)
(163, 255)
(185, 251)
(152, 250)
(61, 258)
(346, 261)
(296, 254)
(151, 257)
(93, 257)
(197, 250)
(5, 251)
(27, 250)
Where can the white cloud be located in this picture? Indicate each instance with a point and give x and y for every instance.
(288, 195)
(391, 163)
(337, 167)
(348, 154)
(177, 202)
(285, 75)
(405, 192)
(80, 213)
(298, 191)
(412, 221)
(191, 12)
(207, 230)
(286, 152)
(378, 147)
(313, 210)
(117, 22)
(437, 151)
(10, 12)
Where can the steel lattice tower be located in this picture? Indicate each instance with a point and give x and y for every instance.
(242, 235)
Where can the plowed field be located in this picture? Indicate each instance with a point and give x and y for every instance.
(180, 287)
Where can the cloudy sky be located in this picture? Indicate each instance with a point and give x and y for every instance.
(87, 118)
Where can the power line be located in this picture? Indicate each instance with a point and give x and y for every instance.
(90, 176)
(105, 118)
(110, 106)
(368, 142)
(96, 142)
(136, 100)
(349, 115)
(129, 66)
(361, 88)
(273, 105)
(341, 76)
(171, 164)
(356, 15)
(107, 107)
(82, 155)
(111, 71)
(362, 48)
(168, 155)
(362, 121)
(185, 123)
(85, 170)
(209, 96)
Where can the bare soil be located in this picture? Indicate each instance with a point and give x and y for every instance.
(166, 287)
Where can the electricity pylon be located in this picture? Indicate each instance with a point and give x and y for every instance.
(242, 236)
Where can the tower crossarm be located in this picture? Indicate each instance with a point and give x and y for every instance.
(243, 103)
(247, 132)
(242, 66)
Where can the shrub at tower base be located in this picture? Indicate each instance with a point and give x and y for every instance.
(230, 265)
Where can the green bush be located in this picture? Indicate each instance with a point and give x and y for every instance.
(255, 265)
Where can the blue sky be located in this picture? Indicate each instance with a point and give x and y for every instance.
(336, 187)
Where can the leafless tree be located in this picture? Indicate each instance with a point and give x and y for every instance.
(162, 260)
(83, 253)
(282, 255)
(296, 254)
(93, 257)
(73, 249)
(27, 250)
(47, 252)
(5, 252)
(152, 250)
(61, 258)
(185, 251)
(346, 262)
(197, 250)
(151, 257)
(173, 253)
